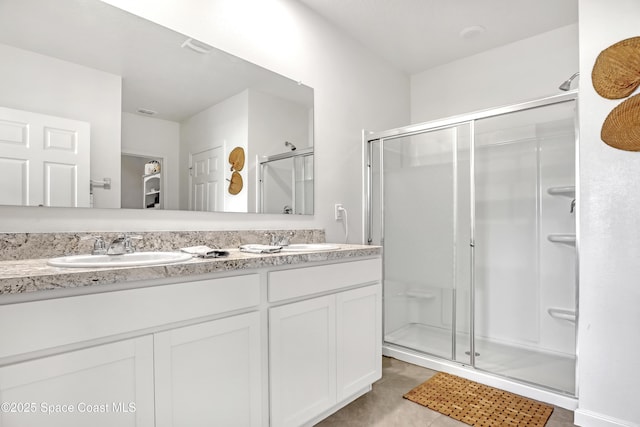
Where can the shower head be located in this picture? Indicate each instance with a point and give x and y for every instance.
(288, 144)
(566, 85)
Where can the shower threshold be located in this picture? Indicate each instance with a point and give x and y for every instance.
(549, 370)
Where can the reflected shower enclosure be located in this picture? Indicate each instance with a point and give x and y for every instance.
(286, 182)
(476, 216)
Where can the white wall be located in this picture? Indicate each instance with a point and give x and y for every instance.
(527, 69)
(156, 138)
(74, 92)
(353, 90)
(609, 203)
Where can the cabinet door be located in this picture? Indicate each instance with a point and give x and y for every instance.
(107, 385)
(209, 374)
(302, 360)
(359, 339)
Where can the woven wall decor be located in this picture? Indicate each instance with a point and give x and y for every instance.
(235, 183)
(621, 128)
(616, 72)
(236, 158)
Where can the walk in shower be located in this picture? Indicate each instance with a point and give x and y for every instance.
(477, 217)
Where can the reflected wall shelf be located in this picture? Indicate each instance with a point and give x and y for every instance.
(567, 191)
(567, 239)
(562, 314)
(152, 191)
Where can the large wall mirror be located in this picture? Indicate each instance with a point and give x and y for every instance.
(101, 108)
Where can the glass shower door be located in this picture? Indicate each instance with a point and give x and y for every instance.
(424, 192)
(525, 245)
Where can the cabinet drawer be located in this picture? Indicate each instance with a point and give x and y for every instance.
(44, 324)
(286, 284)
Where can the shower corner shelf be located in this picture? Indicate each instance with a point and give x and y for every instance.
(567, 239)
(418, 293)
(567, 191)
(562, 314)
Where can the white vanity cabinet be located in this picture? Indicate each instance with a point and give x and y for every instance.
(102, 386)
(302, 355)
(274, 346)
(209, 374)
(185, 354)
(324, 351)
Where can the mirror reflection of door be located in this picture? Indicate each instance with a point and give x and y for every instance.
(44, 160)
(207, 180)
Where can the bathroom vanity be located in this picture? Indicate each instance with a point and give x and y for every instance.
(249, 340)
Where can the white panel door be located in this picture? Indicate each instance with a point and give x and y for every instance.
(207, 180)
(209, 374)
(104, 386)
(302, 357)
(359, 339)
(44, 160)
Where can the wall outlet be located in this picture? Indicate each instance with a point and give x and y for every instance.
(338, 211)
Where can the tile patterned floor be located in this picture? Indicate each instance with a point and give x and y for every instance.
(384, 406)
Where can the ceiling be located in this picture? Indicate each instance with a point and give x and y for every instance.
(415, 35)
(158, 72)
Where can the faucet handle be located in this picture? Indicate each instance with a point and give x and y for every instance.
(99, 245)
(271, 237)
(127, 244)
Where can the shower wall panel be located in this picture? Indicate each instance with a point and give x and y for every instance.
(506, 261)
(421, 277)
(557, 218)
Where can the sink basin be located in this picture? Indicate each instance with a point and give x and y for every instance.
(310, 247)
(127, 260)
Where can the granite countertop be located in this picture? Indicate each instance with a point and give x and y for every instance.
(32, 275)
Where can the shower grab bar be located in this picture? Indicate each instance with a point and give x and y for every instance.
(563, 314)
(416, 293)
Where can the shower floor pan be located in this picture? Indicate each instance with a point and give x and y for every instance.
(553, 371)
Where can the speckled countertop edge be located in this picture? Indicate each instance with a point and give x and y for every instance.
(32, 275)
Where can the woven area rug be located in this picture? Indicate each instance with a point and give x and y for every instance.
(477, 404)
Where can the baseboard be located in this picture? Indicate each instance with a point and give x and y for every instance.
(338, 406)
(587, 418)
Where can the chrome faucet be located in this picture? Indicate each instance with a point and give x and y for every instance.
(122, 245)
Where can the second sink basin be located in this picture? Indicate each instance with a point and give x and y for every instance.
(126, 260)
(310, 247)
